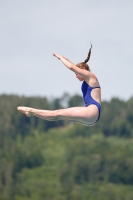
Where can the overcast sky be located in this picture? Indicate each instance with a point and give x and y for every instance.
(30, 30)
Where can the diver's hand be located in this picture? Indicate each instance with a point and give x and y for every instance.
(57, 56)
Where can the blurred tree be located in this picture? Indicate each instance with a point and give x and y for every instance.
(75, 100)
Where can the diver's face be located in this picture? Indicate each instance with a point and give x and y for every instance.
(80, 78)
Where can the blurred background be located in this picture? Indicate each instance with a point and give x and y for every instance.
(58, 160)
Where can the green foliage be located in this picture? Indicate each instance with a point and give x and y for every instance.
(61, 161)
(98, 159)
(76, 100)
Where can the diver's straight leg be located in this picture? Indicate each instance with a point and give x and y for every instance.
(84, 115)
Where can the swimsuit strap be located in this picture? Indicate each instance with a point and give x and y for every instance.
(92, 87)
(96, 87)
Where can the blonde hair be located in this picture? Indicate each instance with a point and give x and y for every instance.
(84, 65)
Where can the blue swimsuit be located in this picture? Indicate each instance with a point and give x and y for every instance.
(88, 100)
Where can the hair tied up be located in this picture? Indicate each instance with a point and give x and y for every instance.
(89, 54)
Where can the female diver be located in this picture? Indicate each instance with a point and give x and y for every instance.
(88, 115)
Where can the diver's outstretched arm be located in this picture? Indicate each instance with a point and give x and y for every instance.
(86, 74)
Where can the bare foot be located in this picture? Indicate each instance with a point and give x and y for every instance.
(24, 110)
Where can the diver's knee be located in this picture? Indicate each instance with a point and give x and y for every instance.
(56, 113)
